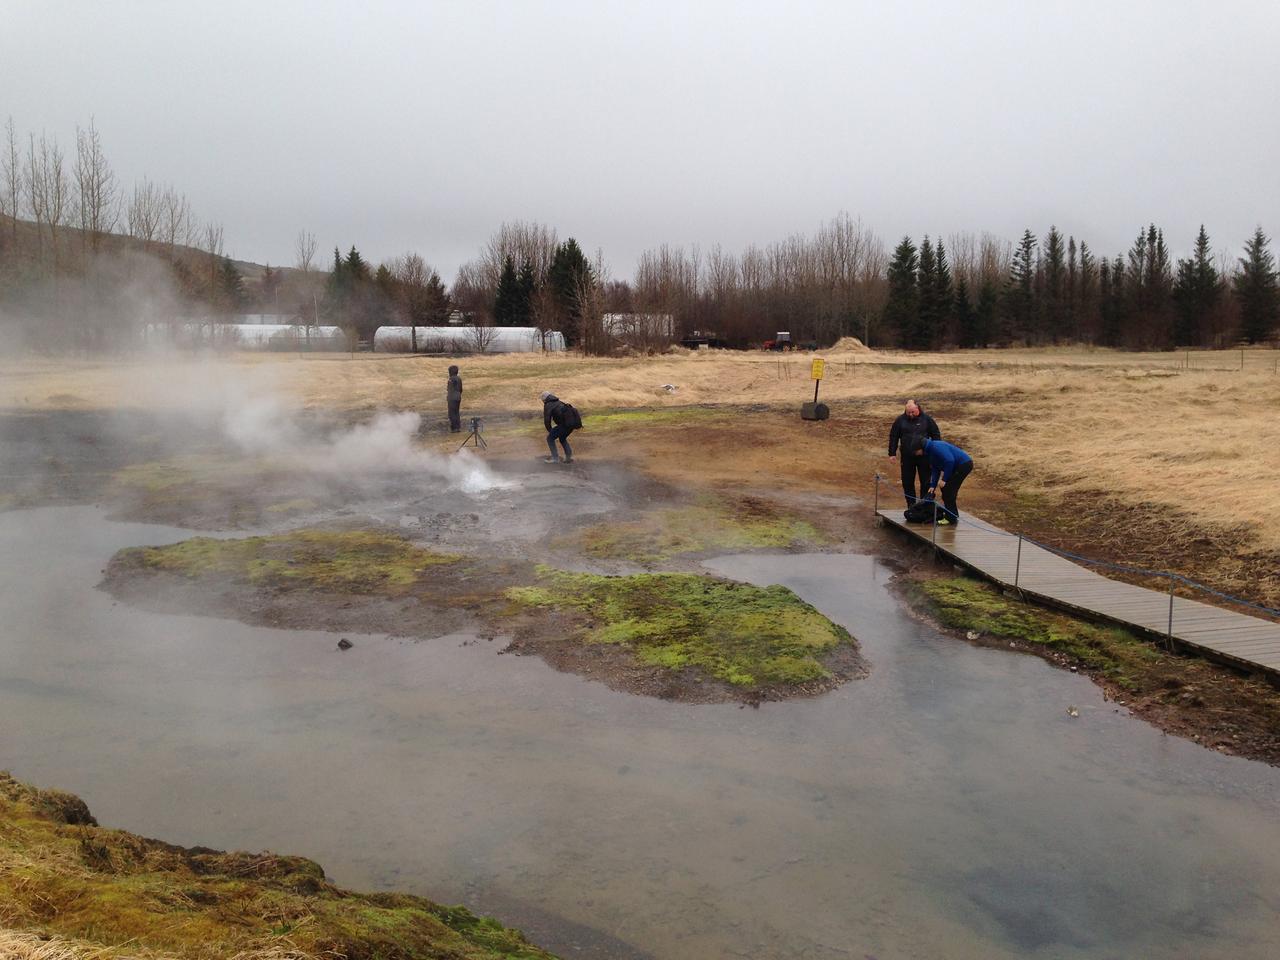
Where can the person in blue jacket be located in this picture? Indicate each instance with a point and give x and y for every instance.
(949, 465)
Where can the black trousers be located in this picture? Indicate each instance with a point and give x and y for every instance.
(914, 469)
(455, 414)
(952, 488)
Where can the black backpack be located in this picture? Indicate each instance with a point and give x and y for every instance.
(921, 511)
(572, 418)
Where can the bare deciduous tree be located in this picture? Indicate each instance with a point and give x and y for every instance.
(11, 190)
(530, 243)
(177, 224)
(480, 335)
(95, 188)
(144, 212)
(37, 202)
(590, 294)
(304, 249)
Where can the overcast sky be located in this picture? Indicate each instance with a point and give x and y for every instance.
(398, 126)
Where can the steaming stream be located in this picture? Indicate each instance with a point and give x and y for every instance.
(944, 807)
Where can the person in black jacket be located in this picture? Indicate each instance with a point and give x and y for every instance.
(454, 395)
(910, 430)
(560, 422)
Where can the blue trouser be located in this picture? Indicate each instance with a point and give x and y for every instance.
(560, 432)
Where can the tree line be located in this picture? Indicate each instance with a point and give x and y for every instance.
(1058, 291)
(966, 291)
(67, 222)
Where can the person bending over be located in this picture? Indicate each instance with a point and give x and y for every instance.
(911, 427)
(949, 465)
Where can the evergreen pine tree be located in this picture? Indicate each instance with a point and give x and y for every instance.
(527, 287)
(1055, 288)
(1018, 307)
(1197, 295)
(1256, 290)
(1149, 292)
(944, 295)
(231, 287)
(1071, 320)
(1114, 303)
(902, 304)
(929, 313)
(568, 274)
(436, 302)
(966, 318)
(357, 270)
(506, 304)
(1086, 300)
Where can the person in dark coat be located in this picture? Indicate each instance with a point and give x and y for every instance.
(912, 426)
(454, 395)
(948, 466)
(556, 418)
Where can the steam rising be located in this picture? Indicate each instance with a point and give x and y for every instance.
(383, 447)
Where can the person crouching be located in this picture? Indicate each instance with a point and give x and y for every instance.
(949, 465)
(560, 419)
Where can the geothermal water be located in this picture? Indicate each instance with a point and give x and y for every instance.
(946, 806)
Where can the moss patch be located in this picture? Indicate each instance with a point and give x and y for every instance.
(118, 895)
(740, 634)
(707, 526)
(967, 604)
(352, 561)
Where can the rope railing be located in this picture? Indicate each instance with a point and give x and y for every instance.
(1174, 579)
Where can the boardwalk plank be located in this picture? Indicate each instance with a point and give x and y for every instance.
(1234, 636)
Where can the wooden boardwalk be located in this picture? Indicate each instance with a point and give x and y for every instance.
(1041, 575)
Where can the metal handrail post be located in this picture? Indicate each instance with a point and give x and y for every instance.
(1169, 636)
(1017, 564)
(935, 525)
(877, 506)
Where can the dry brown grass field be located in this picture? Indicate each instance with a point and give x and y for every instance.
(1179, 450)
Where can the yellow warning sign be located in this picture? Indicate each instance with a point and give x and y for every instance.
(818, 367)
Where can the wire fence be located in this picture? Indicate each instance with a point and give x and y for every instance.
(943, 516)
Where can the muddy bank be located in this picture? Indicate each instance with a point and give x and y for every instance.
(113, 893)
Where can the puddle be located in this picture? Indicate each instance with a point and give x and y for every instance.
(945, 806)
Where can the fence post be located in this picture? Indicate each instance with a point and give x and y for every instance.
(877, 506)
(1017, 566)
(1169, 636)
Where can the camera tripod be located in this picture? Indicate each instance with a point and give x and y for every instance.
(475, 434)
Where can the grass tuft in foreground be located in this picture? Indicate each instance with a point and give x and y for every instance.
(364, 561)
(744, 635)
(71, 890)
(966, 604)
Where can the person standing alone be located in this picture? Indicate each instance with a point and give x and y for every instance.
(909, 431)
(455, 401)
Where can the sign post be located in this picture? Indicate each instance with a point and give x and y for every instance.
(815, 410)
